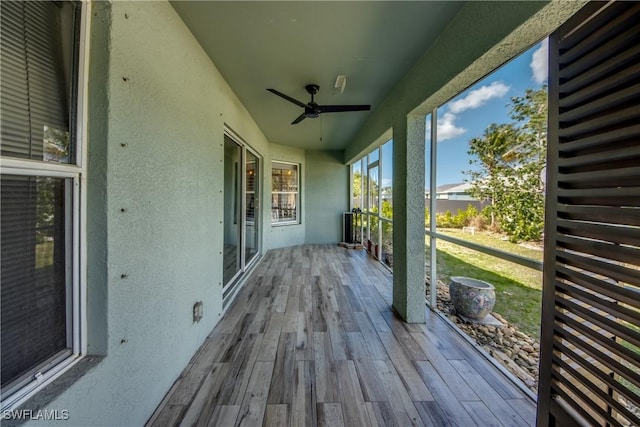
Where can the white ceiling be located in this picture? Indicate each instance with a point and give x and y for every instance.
(286, 45)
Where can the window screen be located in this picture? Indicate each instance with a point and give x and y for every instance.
(33, 271)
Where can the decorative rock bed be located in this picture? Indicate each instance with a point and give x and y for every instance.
(516, 351)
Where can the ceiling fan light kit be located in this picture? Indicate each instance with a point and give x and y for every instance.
(312, 109)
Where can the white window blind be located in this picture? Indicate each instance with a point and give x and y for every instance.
(37, 48)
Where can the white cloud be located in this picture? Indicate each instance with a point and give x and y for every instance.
(540, 62)
(447, 128)
(478, 97)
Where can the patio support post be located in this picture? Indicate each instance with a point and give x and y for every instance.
(408, 218)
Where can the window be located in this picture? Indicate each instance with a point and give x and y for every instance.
(356, 185)
(285, 195)
(484, 157)
(372, 192)
(42, 167)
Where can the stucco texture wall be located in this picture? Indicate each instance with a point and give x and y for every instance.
(159, 107)
(326, 196)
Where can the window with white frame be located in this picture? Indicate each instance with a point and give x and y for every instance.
(41, 204)
(285, 194)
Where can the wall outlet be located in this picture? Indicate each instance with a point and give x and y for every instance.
(197, 311)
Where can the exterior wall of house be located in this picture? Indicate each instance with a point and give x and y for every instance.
(326, 196)
(158, 108)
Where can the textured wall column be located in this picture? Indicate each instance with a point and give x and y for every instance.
(408, 218)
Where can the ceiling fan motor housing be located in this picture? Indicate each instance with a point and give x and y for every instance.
(312, 110)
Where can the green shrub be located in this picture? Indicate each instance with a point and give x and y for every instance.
(462, 218)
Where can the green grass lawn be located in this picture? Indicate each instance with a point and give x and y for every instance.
(495, 241)
(633, 387)
(518, 288)
(44, 254)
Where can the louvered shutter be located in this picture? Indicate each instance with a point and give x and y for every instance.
(590, 363)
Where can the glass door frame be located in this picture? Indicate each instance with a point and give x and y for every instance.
(229, 289)
(374, 164)
(257, 220)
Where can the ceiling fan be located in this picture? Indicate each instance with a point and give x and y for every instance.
(313, 110)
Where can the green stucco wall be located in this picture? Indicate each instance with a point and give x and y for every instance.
(158, 110)
(155, 208)
(326, 196)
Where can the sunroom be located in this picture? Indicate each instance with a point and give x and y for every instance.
(170, 239)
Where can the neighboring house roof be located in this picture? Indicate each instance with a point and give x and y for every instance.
(453, 188)
(456, 188)
(445, 187)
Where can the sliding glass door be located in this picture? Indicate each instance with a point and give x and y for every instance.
(252, 211)
(242, 213)
(232, 207)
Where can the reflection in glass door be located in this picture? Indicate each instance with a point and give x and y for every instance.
(252, 208)
(373, 194)
(241, 211)
(232, 209)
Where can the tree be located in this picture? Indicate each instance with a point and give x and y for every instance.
(387, 209)
(511, 159)
(357, 189)
(357, 184)
(490, 153)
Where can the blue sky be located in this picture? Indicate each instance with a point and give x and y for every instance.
(467, 115)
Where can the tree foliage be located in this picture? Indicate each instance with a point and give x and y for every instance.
(357, 184)
(510, 159)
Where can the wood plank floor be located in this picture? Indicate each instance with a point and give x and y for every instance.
(312, 340)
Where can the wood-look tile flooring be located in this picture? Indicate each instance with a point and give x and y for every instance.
(312, 340)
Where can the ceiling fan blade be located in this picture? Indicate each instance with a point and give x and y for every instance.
(341, 108)
(300, 118)
(287, 97)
